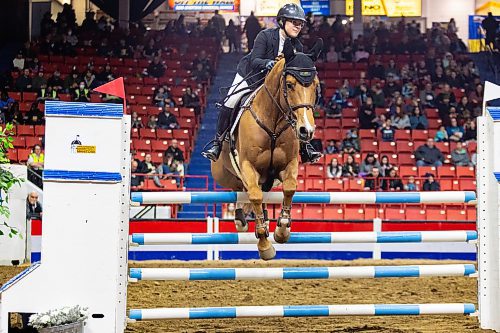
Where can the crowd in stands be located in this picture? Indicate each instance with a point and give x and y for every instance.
(394, 77)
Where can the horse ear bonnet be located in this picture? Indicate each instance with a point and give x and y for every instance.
(302, 68)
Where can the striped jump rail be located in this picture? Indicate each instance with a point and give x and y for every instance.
(307, 237)
(290, 273)
(152, 198)
(303, 311)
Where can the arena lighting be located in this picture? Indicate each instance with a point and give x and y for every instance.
(351, 19)
(344, 22)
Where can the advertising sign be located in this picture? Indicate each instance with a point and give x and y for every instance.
(271, 7)
(390, 8)
(317, 7)
(204, 5)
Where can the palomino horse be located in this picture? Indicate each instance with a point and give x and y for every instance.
(273, 123)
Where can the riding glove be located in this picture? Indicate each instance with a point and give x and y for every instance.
(270, 64)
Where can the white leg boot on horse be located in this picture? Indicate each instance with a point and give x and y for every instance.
(282, 231)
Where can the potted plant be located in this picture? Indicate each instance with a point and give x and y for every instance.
(64, 320)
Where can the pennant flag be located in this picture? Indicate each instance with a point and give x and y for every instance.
(491, 92)
(115, 88)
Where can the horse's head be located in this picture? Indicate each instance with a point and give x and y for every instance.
(300, 88)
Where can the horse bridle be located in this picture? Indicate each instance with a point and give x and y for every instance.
(299, 73)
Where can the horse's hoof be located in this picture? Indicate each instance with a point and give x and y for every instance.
(268, 253)
(281, 235)
(240, 227)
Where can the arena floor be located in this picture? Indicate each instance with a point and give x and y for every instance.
(154, 294)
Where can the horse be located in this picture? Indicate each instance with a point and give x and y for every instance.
(265, 141)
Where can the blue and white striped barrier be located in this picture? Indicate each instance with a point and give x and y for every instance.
(308, 237)
(152, 198)
(289, 273)
(302, 311)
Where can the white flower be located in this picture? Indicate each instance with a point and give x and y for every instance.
(45, 319)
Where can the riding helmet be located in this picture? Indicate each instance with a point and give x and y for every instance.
(290, 11)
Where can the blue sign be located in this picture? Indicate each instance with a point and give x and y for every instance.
(317, 7)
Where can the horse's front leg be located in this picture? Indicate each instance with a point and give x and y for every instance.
(289, 177)
(266, 249)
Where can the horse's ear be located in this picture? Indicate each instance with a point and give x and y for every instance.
(316, 49)
(288, 50)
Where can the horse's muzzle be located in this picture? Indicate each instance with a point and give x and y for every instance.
(305, 134)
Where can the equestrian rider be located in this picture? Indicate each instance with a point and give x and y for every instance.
(268, 44)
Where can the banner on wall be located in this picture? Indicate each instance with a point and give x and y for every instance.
(390, 8)
(204, 5)
(271, 7)
(317, 7)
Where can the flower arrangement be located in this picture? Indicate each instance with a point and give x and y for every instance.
(59, 317)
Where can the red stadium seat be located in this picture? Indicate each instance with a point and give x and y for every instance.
(434, 213)
(446, 184)
(12, 155)
(454, 213)
(367, 134)
(297, 212)
(313, 211)
(147, 133)
(419, 135)
(332, 185)
(354, 213)
(414, 213)
(467, 185)
(25, 130)
(395, 214)
(19, 142)
(356, 184)
(426, 169)
(404, 135)
(369, 146)
(159, 145)
(407, 171)
(405, 147)
(465, 172)
(446, 171)
(315, 185)
(333, 212)
(31, 141)
(406, 159)
(314, 170)
(387, 147)
(142, 145)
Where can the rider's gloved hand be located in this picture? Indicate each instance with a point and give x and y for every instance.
(270, 64)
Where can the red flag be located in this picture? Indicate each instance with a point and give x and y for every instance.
(115, 88)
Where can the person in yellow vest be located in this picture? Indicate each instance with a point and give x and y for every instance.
(47, 93)
(81, 93)
(35, 166)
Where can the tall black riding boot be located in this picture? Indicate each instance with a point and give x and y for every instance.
(223, 122)
(308, 154)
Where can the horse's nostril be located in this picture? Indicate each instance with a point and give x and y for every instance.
(303, 130)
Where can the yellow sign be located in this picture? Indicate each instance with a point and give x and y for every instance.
(85, 149)
(391, 8)
(271, 7)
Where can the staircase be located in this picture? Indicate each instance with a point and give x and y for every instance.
(198, 164)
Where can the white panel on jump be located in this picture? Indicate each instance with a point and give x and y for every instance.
(86, 201)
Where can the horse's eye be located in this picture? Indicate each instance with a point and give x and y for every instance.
(289, 85)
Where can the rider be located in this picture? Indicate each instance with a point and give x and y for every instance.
(268, 44)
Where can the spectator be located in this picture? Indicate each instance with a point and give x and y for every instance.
(18, 62)
(408, 90)
(152, 122)
(252, 28)
(411, 185)
(455, 132)
(47, 93)
(361, 55)
(350, 168)
(332, 55)
(35, 166)
(24, 82)
(427, 96)
(105, 75)
(441, 135)
(147, 167)
(385, 166)
(333, 147)
(229, 212)
(13, 114)
(374, 180)
(334, 169)
(71, 81)
(400, 120)
(376, 71)
(204, 61)
(393, 183)
(156, 68)
(81, 93)
(55, 81)
(459, 155)
(476, 96)
(351, 144)
(200, 74)
(333, 109)
(136, 180)
(136, 121)
(391, 86)
(169, 168)
(167, 120)
(232, 33)
(38, 81)
(490, 24)
(161, 94)
(446, 94)
(430, 183)
(392, 70)
(90, 80)
(388, 132)
(378, 96)
(368, 164)
(429, 155)
(33, 206)
(190, 99)
(418, 120)
(470, 131)
(464, 108)
(5, 101)
(176, 152)
(35, 116)
(367, 117)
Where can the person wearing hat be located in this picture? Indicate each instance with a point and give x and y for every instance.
(268, 45)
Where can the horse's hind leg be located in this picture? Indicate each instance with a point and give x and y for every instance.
(266, 249)
(289, 176)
